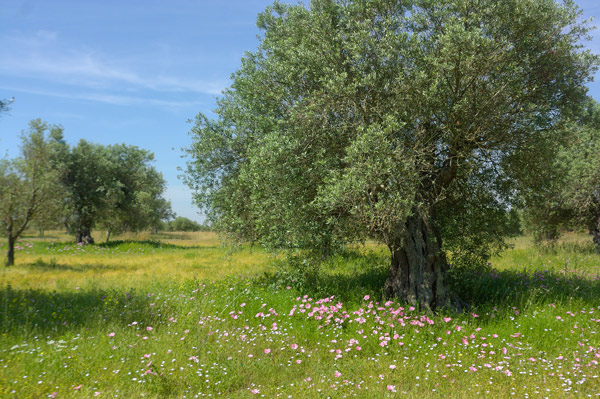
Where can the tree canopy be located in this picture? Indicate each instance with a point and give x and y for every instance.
(417, 123)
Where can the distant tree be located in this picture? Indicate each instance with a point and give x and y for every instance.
(417, 123)
(113, 187)
(133, 199)
(571, 194)
(28, 184)
(184, 224)
(88, 183)
(164, 214)
(582, 192)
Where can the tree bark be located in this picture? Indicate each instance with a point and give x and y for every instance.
(84, 236)
(595, 233)
(10, 255)
(418, 266)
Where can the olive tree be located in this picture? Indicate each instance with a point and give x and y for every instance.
(582, 190)
(571, 195)
(133, 196)
(114, 187)
(417, 123)
(28, 184)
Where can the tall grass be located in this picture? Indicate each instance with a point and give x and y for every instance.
(180, 316)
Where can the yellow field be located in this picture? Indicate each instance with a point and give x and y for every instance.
(191, 255)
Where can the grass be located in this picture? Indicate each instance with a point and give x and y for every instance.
(56, 263)
(185, 317)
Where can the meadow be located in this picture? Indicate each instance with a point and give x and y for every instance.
(179, 316)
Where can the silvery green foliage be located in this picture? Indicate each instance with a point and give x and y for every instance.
(582, 190)
(29, 184)
(351, 116)
(114, 187)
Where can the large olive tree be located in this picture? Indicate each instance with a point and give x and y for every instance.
(414, 122)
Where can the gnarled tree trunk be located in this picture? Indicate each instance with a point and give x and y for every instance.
(10, 254)
(418, 265)
(84, 236)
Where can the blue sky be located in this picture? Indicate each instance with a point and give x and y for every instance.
(131, 71)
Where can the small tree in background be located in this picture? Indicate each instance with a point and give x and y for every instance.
(184, 224)
(582, 192)
(133, 197)
(114, 187)
(571, 194)
(88, 183)
(28, 184)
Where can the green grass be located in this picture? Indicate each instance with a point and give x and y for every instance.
(185, 317)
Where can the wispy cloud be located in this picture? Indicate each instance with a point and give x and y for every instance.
(43, 57)
(113, 99)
